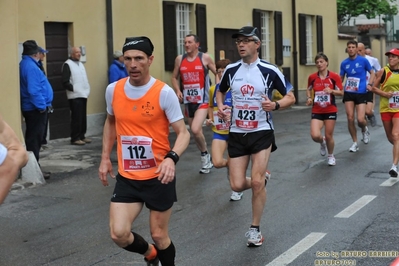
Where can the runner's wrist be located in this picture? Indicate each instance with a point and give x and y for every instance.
(172, 155)
(276, 106)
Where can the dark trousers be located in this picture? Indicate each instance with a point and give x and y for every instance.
(78, 118)
(35, 127)
(44, 139)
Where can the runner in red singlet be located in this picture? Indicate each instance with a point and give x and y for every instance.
(192, 89)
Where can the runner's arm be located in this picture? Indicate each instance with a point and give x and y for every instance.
(378, 80)
(175, 75)
(183, 137)
(286, 101)
(211, 66)
(16, 157)
(109, 136)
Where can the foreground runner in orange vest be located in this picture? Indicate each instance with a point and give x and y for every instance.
(140, 109)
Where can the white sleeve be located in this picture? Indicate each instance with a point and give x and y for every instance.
(3, 153)
(170, 104)
(109, 96)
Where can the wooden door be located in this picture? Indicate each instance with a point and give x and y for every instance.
(56, 35)
(224, 45)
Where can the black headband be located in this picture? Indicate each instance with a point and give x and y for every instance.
(142, 43)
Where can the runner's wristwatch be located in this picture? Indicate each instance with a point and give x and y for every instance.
(172, 155)
(277, 106)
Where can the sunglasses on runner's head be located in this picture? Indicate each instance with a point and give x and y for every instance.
(244, 41)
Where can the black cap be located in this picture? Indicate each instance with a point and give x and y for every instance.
(246, 31)
(30, 47)
(141, 43)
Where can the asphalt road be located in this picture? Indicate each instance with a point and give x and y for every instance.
(315, 213)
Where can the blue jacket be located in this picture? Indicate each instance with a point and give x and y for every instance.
(116, 71)
(36, 91)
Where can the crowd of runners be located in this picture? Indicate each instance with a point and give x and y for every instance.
(141, 110)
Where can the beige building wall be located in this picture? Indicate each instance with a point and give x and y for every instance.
(379, 50)
(130, 18)
(9, 75)
(24, 19)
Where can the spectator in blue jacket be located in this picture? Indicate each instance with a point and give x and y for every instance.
(36, 97)
(117, 69)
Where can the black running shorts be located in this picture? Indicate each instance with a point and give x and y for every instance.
(156, 196)
(241, 144)
(357, 98)
(322, 117)
(191, 108)
(370, 96)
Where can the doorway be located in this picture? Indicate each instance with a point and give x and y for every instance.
(56, 36)
(225, 48)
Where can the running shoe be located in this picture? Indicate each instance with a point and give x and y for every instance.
(323, 147)
(331, 160)
(206, 162)
(366, 136)
(268, 175)
(373, 121)
(354, 147)
(255, 238)
(236, 196)
(394, 171)
(154, 262)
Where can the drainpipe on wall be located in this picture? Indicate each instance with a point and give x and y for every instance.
(110, 39)
(294, 51)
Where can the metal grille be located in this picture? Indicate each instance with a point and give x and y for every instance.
(265, 35)
(309, 39)
(182, 25)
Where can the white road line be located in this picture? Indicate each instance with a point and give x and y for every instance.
(389, 182)
(357, 205)
(299, 248)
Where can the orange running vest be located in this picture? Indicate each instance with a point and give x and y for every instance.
(142, 130)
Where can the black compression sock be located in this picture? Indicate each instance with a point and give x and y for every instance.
(167, 256)
(139, 245)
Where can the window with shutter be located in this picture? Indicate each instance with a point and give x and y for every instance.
(261, 20)
(302, 39)
(310, 37)
(182, 25)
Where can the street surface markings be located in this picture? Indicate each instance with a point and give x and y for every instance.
(390, 182)
(299, 248)
(357, 205)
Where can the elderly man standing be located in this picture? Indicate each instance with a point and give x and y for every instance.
(36, 97)
(74, 80)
